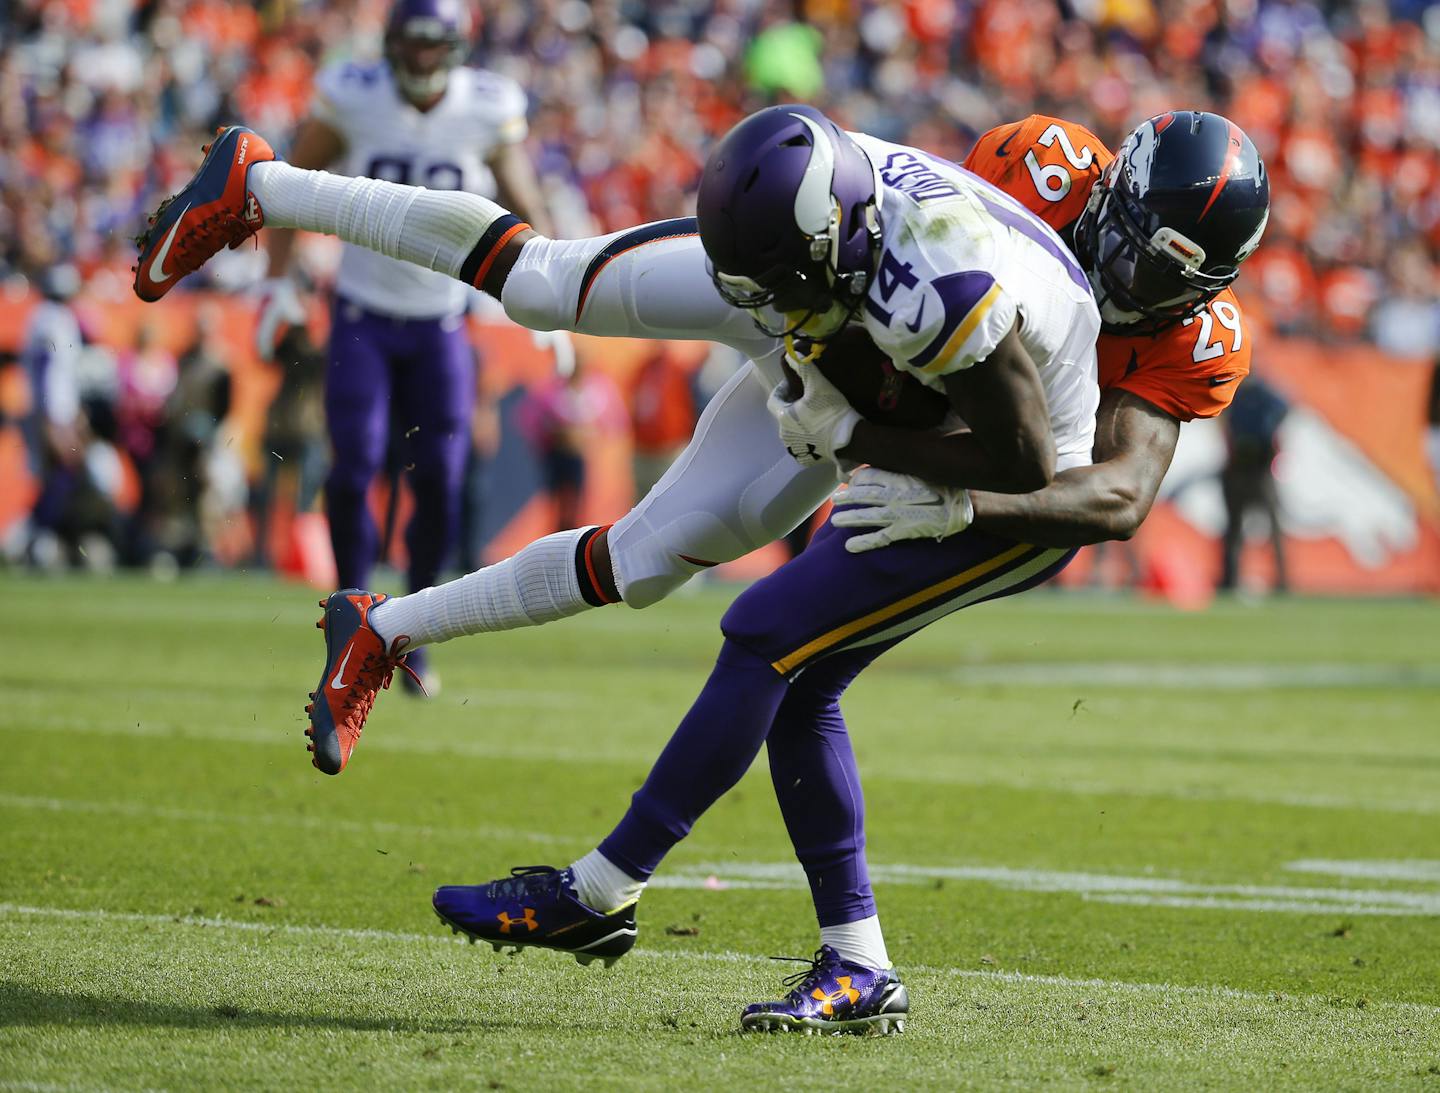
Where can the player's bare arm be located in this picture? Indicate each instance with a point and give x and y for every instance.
(1134, 443)
(316, 146)
(519, 189)
(1009, 447)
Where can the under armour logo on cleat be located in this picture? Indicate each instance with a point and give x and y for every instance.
(844, 993)
(527, 920)
(809, 454)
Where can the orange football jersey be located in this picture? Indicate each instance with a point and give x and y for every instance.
(1046, 164)
(1188, 370)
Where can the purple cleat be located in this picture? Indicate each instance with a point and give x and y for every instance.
(536, 906)
(833, 996)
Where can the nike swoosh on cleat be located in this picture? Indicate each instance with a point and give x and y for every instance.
(338, 683)
(157, 268)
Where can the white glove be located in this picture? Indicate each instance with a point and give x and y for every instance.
(817, 424)
(901, 506)
(280, 309)
(557, 342)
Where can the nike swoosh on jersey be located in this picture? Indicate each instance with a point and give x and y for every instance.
(157, 268)
(338, 683)
(1000, 151)
(1221, 381)
(914, 327)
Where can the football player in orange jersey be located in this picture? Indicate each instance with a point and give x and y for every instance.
(1161, 230)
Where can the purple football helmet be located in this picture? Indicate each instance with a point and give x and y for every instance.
(788, 218)
(424, 40)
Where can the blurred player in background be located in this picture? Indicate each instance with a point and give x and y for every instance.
(54, 429)
(1247, 481)
(401, 370)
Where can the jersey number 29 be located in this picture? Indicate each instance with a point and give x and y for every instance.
(1052, 181)
(1228, 316)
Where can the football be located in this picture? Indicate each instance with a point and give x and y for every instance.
(873, 385)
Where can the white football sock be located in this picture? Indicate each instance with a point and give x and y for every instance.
(858, 942)
(436, 229)
(535, 586)
(602, 885)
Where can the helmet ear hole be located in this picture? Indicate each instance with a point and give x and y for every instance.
(857, 218)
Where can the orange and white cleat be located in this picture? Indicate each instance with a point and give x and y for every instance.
(214, 210)
(358, 666)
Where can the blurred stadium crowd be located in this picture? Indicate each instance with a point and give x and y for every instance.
(104, 103)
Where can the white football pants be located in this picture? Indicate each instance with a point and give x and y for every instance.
(734, 488)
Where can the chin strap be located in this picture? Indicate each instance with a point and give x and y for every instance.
(812, 351)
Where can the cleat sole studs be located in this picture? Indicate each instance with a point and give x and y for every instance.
(584, 961)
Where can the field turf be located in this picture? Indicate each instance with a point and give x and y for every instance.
(1114, 846)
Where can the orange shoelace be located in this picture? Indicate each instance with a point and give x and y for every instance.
(376, 672)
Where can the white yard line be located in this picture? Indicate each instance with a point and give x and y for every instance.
(1104, 887)
(1416, 869)
(409, 744)
(1281, 906)
(1147, 891)
(14, 910)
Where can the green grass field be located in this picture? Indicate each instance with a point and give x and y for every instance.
(1113, 845)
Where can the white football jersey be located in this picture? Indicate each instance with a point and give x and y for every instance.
(960, 261)
(443, 148)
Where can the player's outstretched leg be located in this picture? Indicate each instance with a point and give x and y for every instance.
(536, 906)
(227, 200)
(833, 996)
(358, 666)
(212, 211)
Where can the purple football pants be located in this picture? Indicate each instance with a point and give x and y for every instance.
(793, 643)
(406, 385)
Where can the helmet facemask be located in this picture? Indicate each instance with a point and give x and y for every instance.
(421, 52)
(816, 301)
(1148, 274)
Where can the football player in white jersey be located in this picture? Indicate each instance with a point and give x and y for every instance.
(400, 379)
(805, 228)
